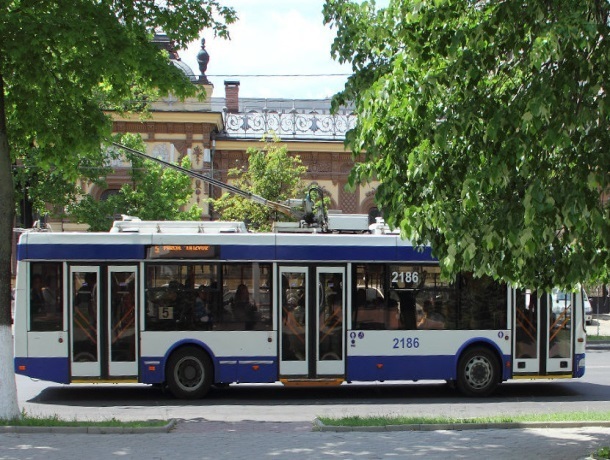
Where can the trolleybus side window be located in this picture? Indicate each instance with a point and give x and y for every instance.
(46, 296)
(417, 298)
(181, 296)
(371, 307)
(483, 303)
(425, 300)
(247, 295)
(188, 296)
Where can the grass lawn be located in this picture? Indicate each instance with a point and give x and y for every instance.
(55, 421)
(593, 338)
(355, 421)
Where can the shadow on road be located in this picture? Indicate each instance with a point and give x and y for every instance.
(135, 395)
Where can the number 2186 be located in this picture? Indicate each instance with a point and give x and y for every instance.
(408, 342)
(405, 277)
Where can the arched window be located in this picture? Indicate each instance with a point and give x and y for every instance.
(108, 193)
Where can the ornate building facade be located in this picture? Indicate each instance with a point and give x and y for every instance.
(217, 132)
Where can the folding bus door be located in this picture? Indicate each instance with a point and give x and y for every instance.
(527, 334)
(560, 327)
(103, 319)
(544, 334)
(122, 332)
(85, 318)
(330, 302)
(312, 326)
(295, 320)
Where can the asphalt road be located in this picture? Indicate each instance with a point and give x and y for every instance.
(274, 403)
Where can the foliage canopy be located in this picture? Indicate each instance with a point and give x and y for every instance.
(60, 63)
(487, 125)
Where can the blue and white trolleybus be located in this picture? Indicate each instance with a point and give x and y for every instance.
(188, 305)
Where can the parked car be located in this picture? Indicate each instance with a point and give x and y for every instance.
(588, 308)
(562, 302)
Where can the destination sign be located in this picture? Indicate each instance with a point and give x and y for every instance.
(181, 251)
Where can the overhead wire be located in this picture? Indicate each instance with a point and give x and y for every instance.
(281, 75)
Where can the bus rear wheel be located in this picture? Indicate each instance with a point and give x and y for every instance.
(478, 372)
(189, 373)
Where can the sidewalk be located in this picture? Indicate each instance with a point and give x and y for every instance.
(600, 326)
(255, 440)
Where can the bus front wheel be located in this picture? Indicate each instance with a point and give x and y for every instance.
(189, 373)
(478, 372)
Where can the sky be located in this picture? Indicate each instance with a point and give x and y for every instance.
(273, 37)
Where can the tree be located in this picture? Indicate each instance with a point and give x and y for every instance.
(154, 193)
(487, 125)
(47, 191)
(272, 174)
(58, 62)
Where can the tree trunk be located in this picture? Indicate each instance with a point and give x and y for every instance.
(9, 407)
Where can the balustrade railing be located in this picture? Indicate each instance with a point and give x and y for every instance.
(288, 125)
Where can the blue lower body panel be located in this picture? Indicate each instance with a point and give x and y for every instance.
(372, 368)
(226, 369)
(376, 368)
(50, 369)
(579, 365)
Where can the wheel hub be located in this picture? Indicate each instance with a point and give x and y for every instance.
(189, 374)
(478, 372)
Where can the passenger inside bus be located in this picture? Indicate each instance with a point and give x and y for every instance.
(45, 302)
(407, 309)
(358, 305)
(175, 305)
(203, 306)
(243, 309)
(37, 301)
(426, 318)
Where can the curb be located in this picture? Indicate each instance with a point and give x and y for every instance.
(319, 426)
(89, 429)
(598, 345)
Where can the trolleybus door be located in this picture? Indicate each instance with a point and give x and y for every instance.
(121, 319)
(543, 342)
(560, 332)
(527, 333)
(294, 325)
(84, 310)
(312, 321)
(330, 321)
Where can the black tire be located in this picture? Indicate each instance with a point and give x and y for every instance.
(478, 372)
(189, 373)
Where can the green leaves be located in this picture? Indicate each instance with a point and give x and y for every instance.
(59, 62)
(154, 193)
(272, 174)
(485, 127)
